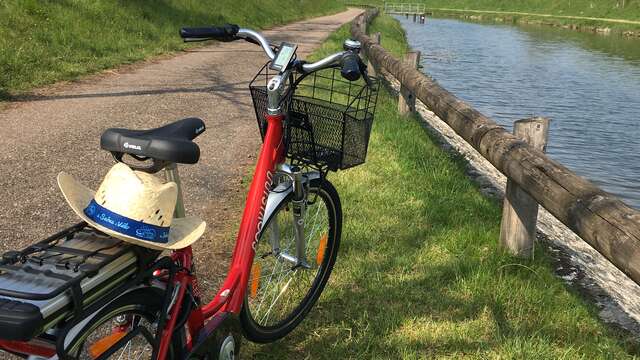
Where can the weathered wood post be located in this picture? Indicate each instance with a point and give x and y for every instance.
(520, 210)
(363, 25)
(407, 99)
(372, 69)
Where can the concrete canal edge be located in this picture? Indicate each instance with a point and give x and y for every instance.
(576, 262)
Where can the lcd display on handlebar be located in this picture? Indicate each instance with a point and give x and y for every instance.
(284, 56)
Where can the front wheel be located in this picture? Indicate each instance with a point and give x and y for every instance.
(280, 292)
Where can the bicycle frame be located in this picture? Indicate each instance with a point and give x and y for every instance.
(230, 297)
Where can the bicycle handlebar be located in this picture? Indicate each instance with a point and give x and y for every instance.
(348, 60)
(221, 33)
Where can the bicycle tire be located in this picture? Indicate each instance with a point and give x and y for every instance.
(144, 303)
(260, 331)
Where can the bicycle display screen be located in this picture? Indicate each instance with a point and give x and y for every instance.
(284, 56)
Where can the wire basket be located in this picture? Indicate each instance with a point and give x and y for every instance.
(328, 121)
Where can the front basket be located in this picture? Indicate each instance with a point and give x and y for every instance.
(328, 121)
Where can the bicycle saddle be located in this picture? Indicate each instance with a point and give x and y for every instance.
(170, 143)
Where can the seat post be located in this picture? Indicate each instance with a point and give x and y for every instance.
(171, 174)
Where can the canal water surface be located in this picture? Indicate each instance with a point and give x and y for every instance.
(588, 84)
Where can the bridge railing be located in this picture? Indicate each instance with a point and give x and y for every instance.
(607, 224)
(404, 8)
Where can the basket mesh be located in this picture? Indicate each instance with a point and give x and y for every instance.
(328, 120)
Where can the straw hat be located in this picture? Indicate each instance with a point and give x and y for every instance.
(133, 206)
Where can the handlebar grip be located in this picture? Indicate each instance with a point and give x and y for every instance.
(350, 66)
(221, 33)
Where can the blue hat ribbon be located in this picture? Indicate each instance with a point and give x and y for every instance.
(126, 226)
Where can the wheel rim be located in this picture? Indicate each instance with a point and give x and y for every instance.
(277, 288)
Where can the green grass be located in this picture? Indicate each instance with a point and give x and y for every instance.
(46, 41)
(420, 275)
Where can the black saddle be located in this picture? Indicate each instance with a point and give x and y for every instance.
(169, 144)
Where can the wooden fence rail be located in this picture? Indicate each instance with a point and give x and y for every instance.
(606, 223)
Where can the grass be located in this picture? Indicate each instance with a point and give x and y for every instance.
(46, 41)
(420, 275)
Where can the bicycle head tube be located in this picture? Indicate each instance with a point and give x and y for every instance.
(275, 91)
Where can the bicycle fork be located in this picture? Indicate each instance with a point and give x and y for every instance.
(298, 207)
(275, 90)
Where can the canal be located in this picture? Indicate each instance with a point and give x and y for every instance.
(588, 84)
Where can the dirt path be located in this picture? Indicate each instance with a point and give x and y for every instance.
(59, 129)
(619, 21)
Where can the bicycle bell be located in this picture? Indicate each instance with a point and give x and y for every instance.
(351, 45)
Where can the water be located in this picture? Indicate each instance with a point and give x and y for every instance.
(588, 84)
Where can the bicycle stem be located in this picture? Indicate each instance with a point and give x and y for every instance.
(275, 90)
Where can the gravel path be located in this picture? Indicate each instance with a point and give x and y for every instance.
(58, 128)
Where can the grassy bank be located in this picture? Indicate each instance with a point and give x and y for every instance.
(46, 41)
(585, 8)
(579, 14)
(419, 274)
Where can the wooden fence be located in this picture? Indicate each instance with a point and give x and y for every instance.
(606, 223)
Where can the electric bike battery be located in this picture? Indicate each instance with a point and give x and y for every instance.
(51, 280)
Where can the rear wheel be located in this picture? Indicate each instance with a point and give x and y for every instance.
(279, 293)
(125, 329)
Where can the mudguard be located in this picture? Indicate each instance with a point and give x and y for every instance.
(279, 194)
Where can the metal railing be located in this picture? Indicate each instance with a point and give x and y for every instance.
(404, 8)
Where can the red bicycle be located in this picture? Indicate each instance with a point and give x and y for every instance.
(85, 294)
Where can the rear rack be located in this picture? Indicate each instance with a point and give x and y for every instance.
(61, 266)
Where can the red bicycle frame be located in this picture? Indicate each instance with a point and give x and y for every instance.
(231, 295)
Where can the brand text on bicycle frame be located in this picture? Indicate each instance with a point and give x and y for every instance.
(263, 205)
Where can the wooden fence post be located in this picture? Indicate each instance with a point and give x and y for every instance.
(520, 210)
(363, 25)
(370, 67)
(407, 100)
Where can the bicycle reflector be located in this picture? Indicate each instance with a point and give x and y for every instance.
(255, 280)
(99, 347)
(321, 248)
